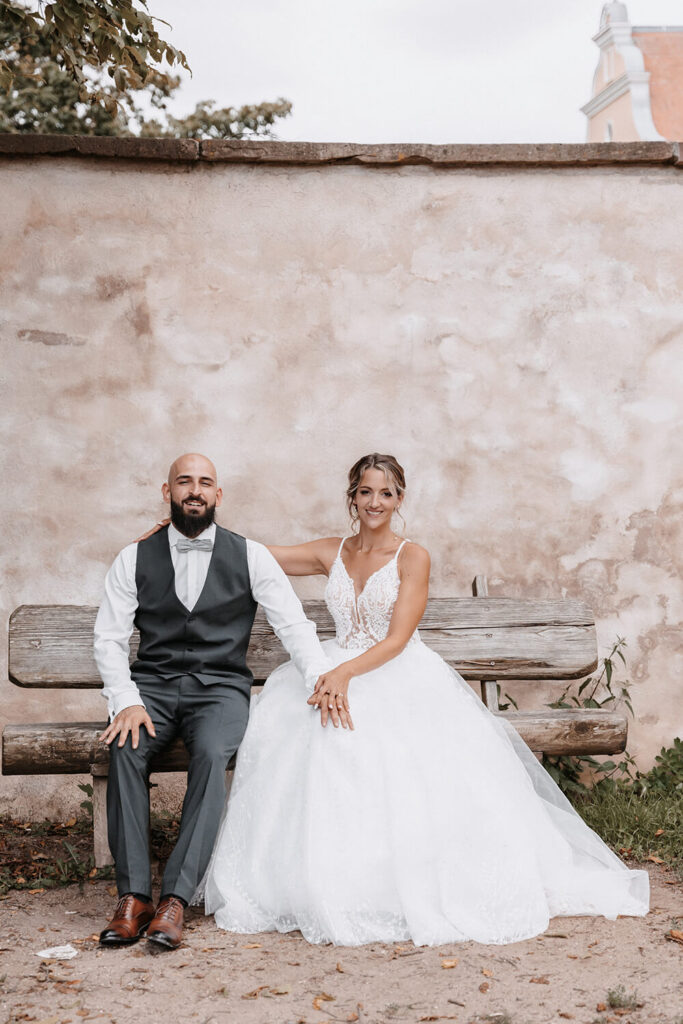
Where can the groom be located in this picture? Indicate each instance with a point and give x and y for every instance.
(191, 589)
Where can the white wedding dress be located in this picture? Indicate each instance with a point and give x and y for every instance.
(431, 822)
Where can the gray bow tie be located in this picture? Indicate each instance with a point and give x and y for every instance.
(201, 544)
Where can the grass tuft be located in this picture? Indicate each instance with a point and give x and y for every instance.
(636, 827)
(619, 999)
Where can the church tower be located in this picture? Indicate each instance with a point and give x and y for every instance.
(638, 83)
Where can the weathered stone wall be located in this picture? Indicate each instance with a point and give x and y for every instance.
(505, 320)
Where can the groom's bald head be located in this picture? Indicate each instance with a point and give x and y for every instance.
(193, 464)
(193, 493)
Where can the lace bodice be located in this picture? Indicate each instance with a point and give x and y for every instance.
(364, 620)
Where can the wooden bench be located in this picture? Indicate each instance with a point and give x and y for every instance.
(487, 639)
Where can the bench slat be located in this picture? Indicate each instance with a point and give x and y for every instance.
(494, 637)
(72, 747)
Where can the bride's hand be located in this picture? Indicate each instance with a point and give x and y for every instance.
(331, 696)
(155, 529)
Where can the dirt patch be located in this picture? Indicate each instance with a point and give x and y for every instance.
(217, 977)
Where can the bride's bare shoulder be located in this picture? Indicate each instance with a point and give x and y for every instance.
(414, 558)
(328, 548)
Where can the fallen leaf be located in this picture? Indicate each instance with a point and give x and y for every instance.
(353, 1016)
(590, 944)
(655, 860)
(676, 935)
(567, 1016)
(70, 823)
(252, 945)
(487, 974)
(448, 964)
(324, 997)
(572, 956)
(601, 1007)
(112, 890)
(339, 968)
(281, 990)
(539, 981)
(659, 832)
(484, 987)
(34, 892)
(254, 992)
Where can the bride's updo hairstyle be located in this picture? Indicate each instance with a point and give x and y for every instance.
(392, 470)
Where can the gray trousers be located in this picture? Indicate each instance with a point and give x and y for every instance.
(211, 721)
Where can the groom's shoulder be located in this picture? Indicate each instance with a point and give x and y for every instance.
(227, 534)
(234, 542)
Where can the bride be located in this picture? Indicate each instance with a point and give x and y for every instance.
(413, 813)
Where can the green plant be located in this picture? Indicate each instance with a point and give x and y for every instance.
(597, 691)
(87, 805)
(666, 774)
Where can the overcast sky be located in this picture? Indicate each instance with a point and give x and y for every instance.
(401, 70)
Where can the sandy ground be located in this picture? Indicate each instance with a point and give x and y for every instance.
(280, 979)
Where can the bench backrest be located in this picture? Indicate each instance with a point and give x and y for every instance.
(482, 637)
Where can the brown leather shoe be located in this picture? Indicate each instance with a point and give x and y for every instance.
(166, 929)
(129, 922)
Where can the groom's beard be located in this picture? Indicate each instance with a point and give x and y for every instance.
(191, 525)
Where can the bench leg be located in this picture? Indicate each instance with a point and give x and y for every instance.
(103, 857)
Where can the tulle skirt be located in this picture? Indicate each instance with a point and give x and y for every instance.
(431, 821)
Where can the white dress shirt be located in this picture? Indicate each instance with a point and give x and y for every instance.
(269, 586)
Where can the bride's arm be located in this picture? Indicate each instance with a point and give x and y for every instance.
(311, 559)
(408, 610)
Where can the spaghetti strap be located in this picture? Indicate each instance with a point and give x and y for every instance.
(341, 546)
(406, 541)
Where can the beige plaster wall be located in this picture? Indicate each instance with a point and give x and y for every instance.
(512, 335)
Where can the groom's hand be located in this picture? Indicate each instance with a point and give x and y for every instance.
(129, 721)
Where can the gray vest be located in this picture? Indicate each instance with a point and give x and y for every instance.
(209, 641)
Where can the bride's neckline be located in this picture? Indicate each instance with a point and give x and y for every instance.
(359, 593)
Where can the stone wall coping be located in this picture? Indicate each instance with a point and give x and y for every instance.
(312, 154)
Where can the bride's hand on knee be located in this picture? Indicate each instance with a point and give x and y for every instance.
(331, 698)
(155, 529)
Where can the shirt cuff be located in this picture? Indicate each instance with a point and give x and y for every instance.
(130, 699)
(312, 676)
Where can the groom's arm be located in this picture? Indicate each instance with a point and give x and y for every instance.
(113, 627)
(285, 613)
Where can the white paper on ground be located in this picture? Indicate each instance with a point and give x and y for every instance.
(58, 953)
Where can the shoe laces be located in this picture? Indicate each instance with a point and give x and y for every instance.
(125, 903)
(170, 910)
